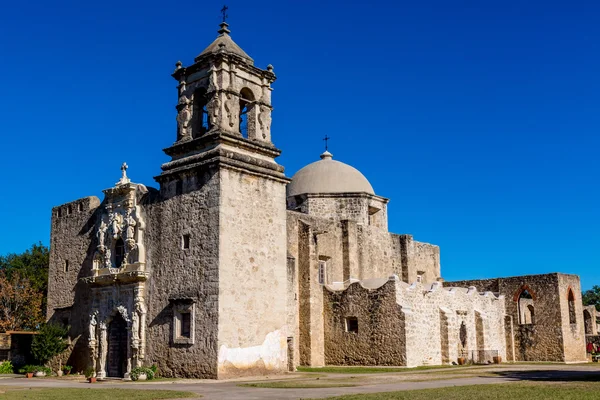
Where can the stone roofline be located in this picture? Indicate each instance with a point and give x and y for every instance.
(515, 277)
(343, 195)
(376, 283)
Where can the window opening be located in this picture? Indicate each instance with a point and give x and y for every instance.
(66, 265)
(246, 105)
(186, 324)
(119, 253)
(526, 308)
(572, 314)
(352, 324)
(322, 271)
(185, 242)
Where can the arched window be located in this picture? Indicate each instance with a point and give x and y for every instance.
(526, 308)
(572, 315)
(246, 113)
(119, 253)
(587, 322)
(201, 122)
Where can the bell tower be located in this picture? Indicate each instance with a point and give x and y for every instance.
(227, 190)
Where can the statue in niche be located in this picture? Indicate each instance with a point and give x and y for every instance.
(130, 224)
(184, 117)
(264, 119)
(92, 327)
(115, 221)
(213, 110)
(230, 104)
(101, 234)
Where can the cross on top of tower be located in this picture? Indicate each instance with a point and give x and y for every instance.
(326, 139)
(124, 179)
(224, 13)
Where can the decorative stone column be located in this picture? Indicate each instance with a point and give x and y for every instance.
(103, 351)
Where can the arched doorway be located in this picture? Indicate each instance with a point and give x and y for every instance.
(117, 347)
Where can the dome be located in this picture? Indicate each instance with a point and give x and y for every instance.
(224, 43)
(328, 176)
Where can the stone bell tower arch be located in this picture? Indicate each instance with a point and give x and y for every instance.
(223, 171)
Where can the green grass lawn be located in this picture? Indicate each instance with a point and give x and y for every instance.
(296, 385)
(12, 393)
(505, 391)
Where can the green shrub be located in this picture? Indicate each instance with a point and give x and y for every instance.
(136, 372)
(89, 372)
(6, 367)
(154, 369)
(49, 342)
(35, 368)
(66, 368)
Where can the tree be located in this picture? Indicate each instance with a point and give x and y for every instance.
(592, 297)
(31, 265)
(20, 304)
(49, 342)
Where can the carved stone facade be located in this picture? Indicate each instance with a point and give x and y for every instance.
(229, 268)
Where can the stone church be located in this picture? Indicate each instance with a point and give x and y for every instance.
(231, 268)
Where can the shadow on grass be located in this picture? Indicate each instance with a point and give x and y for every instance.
(550, 375)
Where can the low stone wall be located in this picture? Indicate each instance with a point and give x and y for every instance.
(388, 322)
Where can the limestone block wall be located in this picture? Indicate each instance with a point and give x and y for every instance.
(544, 339)
(401, 324)
(419, 259)
(380, 338)
(573, 333)
(434, 316)
(252, 275)
(379, 253)
(186, 206)
(71, 237)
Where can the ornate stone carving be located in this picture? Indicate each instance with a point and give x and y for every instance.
(232, 109)
(120, 220)
(264, 120)
(184, 118)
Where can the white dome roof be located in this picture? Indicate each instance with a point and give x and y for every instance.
(328, 176)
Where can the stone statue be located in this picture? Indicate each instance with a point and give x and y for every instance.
(264, 119)
(230, 104)
(184, 117)
(131, 223)
(101, 234)
(92, 327)
(213, 110)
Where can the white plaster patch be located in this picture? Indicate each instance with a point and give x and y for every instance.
(272, 352)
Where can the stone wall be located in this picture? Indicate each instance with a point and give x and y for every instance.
(176, 274)
(68, 298)
(252, 278)
(550, 337)
(573, 330)
(401, 324)
(380, 339)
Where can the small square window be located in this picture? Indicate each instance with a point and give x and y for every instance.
(80, 207)
(185, 242)
(183, 321)
(322, 271)
(66, 265)
(352, 324)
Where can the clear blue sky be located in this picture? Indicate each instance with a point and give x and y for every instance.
(478, 119)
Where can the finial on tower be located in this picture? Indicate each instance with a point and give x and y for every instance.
(223, 24)
(326, 139)
(224, 12)
(124, 179)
